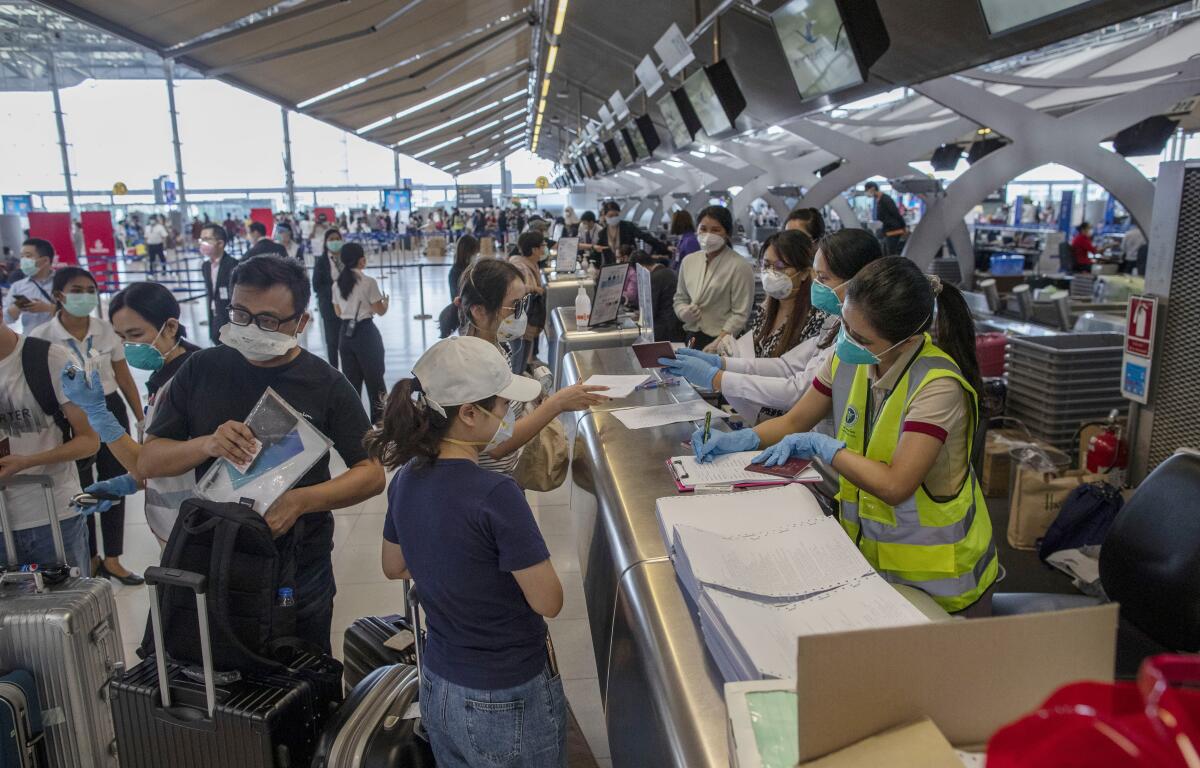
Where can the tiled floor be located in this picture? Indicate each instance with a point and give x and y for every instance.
(362, 587)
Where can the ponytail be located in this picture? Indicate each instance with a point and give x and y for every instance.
(410, 428)
(351, 254)
(899, 301)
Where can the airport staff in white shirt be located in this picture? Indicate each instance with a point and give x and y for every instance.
(29, 299)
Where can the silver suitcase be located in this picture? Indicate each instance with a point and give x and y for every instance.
(67, 635)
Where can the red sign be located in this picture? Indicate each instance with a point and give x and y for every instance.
(99, 243)
(1139, 325)
(265, 217)
(55, 227)
(330, 215)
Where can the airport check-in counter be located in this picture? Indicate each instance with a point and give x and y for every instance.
(563, 337)
(562, 288)
(663, 695)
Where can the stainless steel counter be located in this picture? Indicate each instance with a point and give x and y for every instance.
(663, 695)
(563, 336)
(561, 290)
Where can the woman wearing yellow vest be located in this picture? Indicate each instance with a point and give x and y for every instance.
(906, 406)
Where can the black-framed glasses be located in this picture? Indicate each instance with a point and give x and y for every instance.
(522, 306)
(263, 321)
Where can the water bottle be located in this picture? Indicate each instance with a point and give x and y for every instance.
(579, 270)
(287, 597)
(583, 307)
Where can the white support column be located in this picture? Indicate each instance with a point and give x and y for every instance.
(288, 177)
(396, 165)
(52, 71)
(169, 72)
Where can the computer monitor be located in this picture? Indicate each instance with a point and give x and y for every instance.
(828, 49)
(648, 134)
(716, 98)
(678, 129)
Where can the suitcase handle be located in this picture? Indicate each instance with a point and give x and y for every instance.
(198, 584)
(10, 544)
(413, 611)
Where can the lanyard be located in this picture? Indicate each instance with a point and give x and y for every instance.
(871, 417)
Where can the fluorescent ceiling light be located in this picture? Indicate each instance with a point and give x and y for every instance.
(516, 127)
(436, 147)
(441, 126)
(422, 105)
(512, 96)
(511, 115)
(560, 17)
(448, 167)
(331, 92)
(483, 127)
(551, 58)
(480, 153)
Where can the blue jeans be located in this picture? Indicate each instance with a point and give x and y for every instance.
(36, 545)
(315, 589)
(520, 727)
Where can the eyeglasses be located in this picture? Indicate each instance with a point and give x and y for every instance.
(521, 307)
(264, 321)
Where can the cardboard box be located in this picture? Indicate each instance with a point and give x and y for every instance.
(915, 745)
(996, 477)
(970, 677)
(1036, 500)
(435, 246)
(487, 246)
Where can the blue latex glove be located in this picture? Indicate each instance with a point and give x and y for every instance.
(90, 398)
(711, 359)
(723, 442)
(695, 370)
(124, 485)
(802, 445)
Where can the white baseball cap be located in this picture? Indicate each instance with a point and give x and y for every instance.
(467, 369)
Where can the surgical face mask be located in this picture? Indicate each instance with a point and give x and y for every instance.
(28, 265)
(80, 304)
(512, 328)
(850, 351)
(208, 249)
(709, 242)
(146, 357)
(777, 285)
(504, 431)
(334, 246)
(824, 298)
(255, 344)
(613, 220)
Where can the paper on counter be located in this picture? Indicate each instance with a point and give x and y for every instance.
(759, 510)
(619, 386)
(662, 415)
(801, 559)
(727, 469)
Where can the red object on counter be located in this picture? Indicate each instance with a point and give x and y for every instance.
(989, 350)
(1106, 451)
(1152, 722)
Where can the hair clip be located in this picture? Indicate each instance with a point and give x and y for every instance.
(935, 283)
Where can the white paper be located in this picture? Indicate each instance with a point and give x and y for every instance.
(619, 386)
(728, 469)
(568, 254)
(616, 103)
(648, 75)
(767, 632)
(673, 49)
(757, 510)
(662, 415)
(605, 115)
(801, 559)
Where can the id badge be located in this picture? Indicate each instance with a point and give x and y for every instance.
(223, 293)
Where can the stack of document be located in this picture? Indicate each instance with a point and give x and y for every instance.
(764, 567)
(662, 415)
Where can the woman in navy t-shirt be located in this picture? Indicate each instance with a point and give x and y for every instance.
(489, 695)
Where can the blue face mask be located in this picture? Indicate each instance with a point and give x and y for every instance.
(824, 298)
(851, 352)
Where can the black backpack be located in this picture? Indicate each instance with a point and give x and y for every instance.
(1084, 519)
(35, 363)
(246, 567)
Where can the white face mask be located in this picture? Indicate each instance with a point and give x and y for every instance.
(512, 328)
(613, 220)
(504, 431)
(710, 242)
(777, 285)
(255, 344)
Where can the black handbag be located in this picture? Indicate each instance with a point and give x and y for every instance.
(351, 325)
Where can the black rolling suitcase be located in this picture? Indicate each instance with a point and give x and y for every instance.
(167, 715)
(373, 642)
(379, 725)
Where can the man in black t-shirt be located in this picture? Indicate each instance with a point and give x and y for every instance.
(201, 419)
(892, 226)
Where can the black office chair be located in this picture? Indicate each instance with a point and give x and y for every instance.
(1150, 564)
(1066, 258)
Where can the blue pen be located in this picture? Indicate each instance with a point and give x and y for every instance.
(669, 382)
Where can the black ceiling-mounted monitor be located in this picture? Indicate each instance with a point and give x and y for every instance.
(715, 96)
(687, 111)
(1004, 16)
(638, 144)
(830, 44)
(828, 169)
(649, 134)
(678, 129)
(593, 164)
(631, 145)
(614, 154)
(982, 148)
(946, 157)
(1147, 138)
(621, 139)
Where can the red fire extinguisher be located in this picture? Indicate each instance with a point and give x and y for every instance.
(1107, 451)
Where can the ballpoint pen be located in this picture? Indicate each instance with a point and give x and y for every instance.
(707, 426)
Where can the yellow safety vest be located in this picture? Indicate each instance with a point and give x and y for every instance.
(943, 548)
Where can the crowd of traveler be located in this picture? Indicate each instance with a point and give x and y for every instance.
(841, 327)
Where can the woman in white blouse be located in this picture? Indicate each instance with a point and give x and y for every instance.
(356, 300)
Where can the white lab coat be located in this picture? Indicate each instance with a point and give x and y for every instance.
(753, 383)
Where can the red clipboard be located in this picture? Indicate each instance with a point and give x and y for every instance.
(791, 470)
(682, 488)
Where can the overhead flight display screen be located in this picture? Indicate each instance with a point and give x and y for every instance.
(817, 48)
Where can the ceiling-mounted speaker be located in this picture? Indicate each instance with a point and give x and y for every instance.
(1148, 137)
(946, 157)
(825, 171)
(982, 148)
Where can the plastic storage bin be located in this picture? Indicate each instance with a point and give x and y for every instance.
(1006, 264)
(989, 350)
